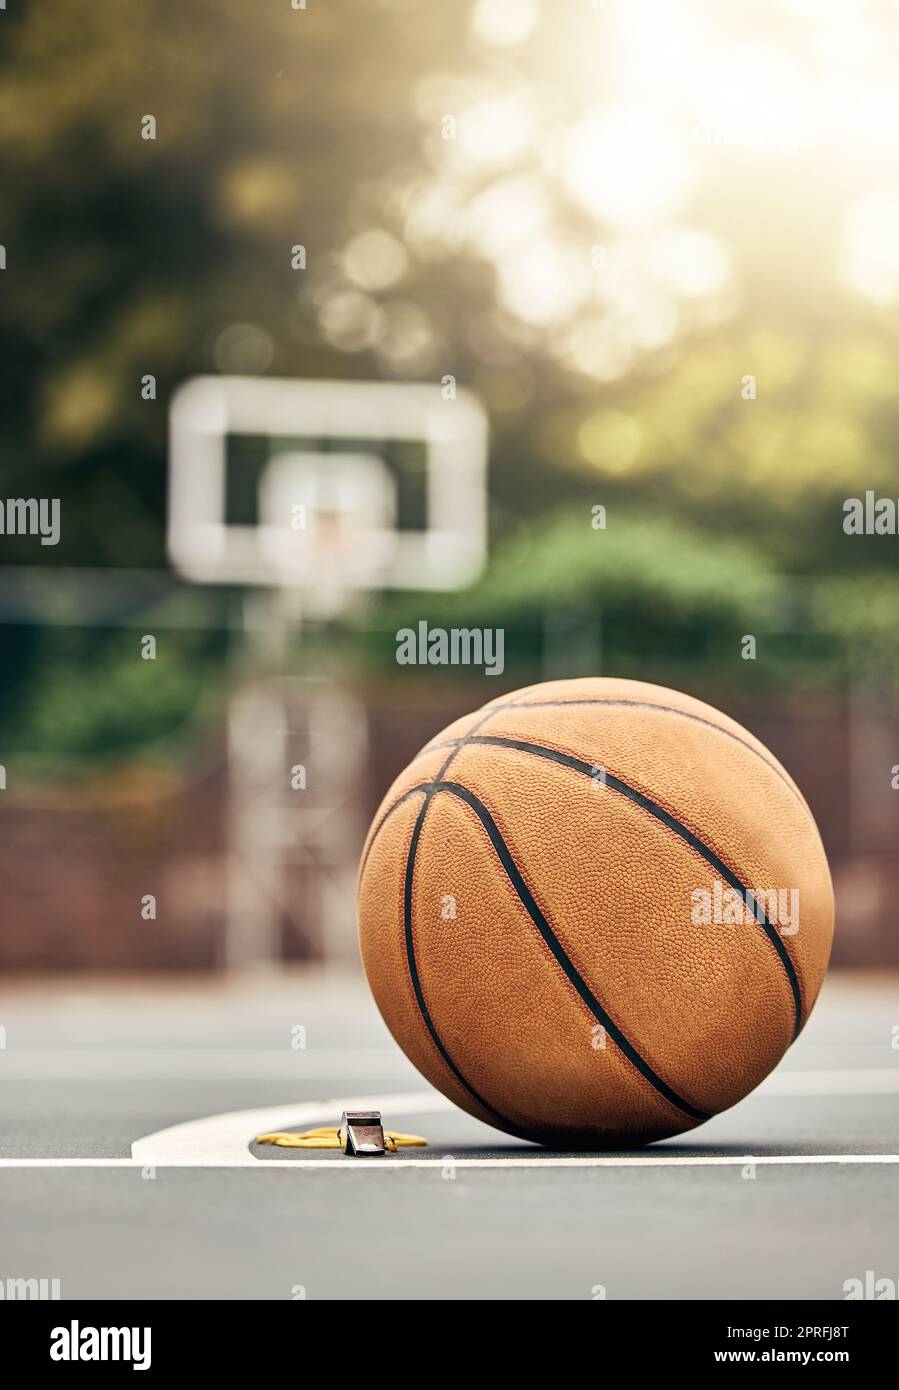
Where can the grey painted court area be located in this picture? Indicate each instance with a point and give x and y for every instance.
(87, 1072)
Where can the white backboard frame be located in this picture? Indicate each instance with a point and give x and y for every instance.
(448, 554)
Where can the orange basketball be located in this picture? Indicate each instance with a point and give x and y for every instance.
(595, 912)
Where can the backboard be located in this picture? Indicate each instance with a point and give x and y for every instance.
(326, 498)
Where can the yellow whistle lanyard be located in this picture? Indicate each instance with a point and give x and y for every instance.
(327, 1138)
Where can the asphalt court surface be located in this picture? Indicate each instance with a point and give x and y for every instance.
(787, 1195)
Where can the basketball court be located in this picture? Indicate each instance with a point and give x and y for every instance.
(131, 1107)
(129, 1115)
(450, 672)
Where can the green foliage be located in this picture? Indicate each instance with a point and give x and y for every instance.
(86, 698)
(128, 257)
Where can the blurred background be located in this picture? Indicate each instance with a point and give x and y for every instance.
(653, 248)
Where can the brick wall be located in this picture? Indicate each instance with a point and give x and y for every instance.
(76, 861)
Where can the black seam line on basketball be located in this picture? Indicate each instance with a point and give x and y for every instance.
(428, 789)
(666, 818)
(457, 744)
(422, 787)
(552, 941)
(413, 968)
(634, 704)
(668, 709)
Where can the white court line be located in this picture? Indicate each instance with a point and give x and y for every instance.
(436, 1164)
(221, 1141)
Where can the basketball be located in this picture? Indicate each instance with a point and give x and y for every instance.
(595, 912)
